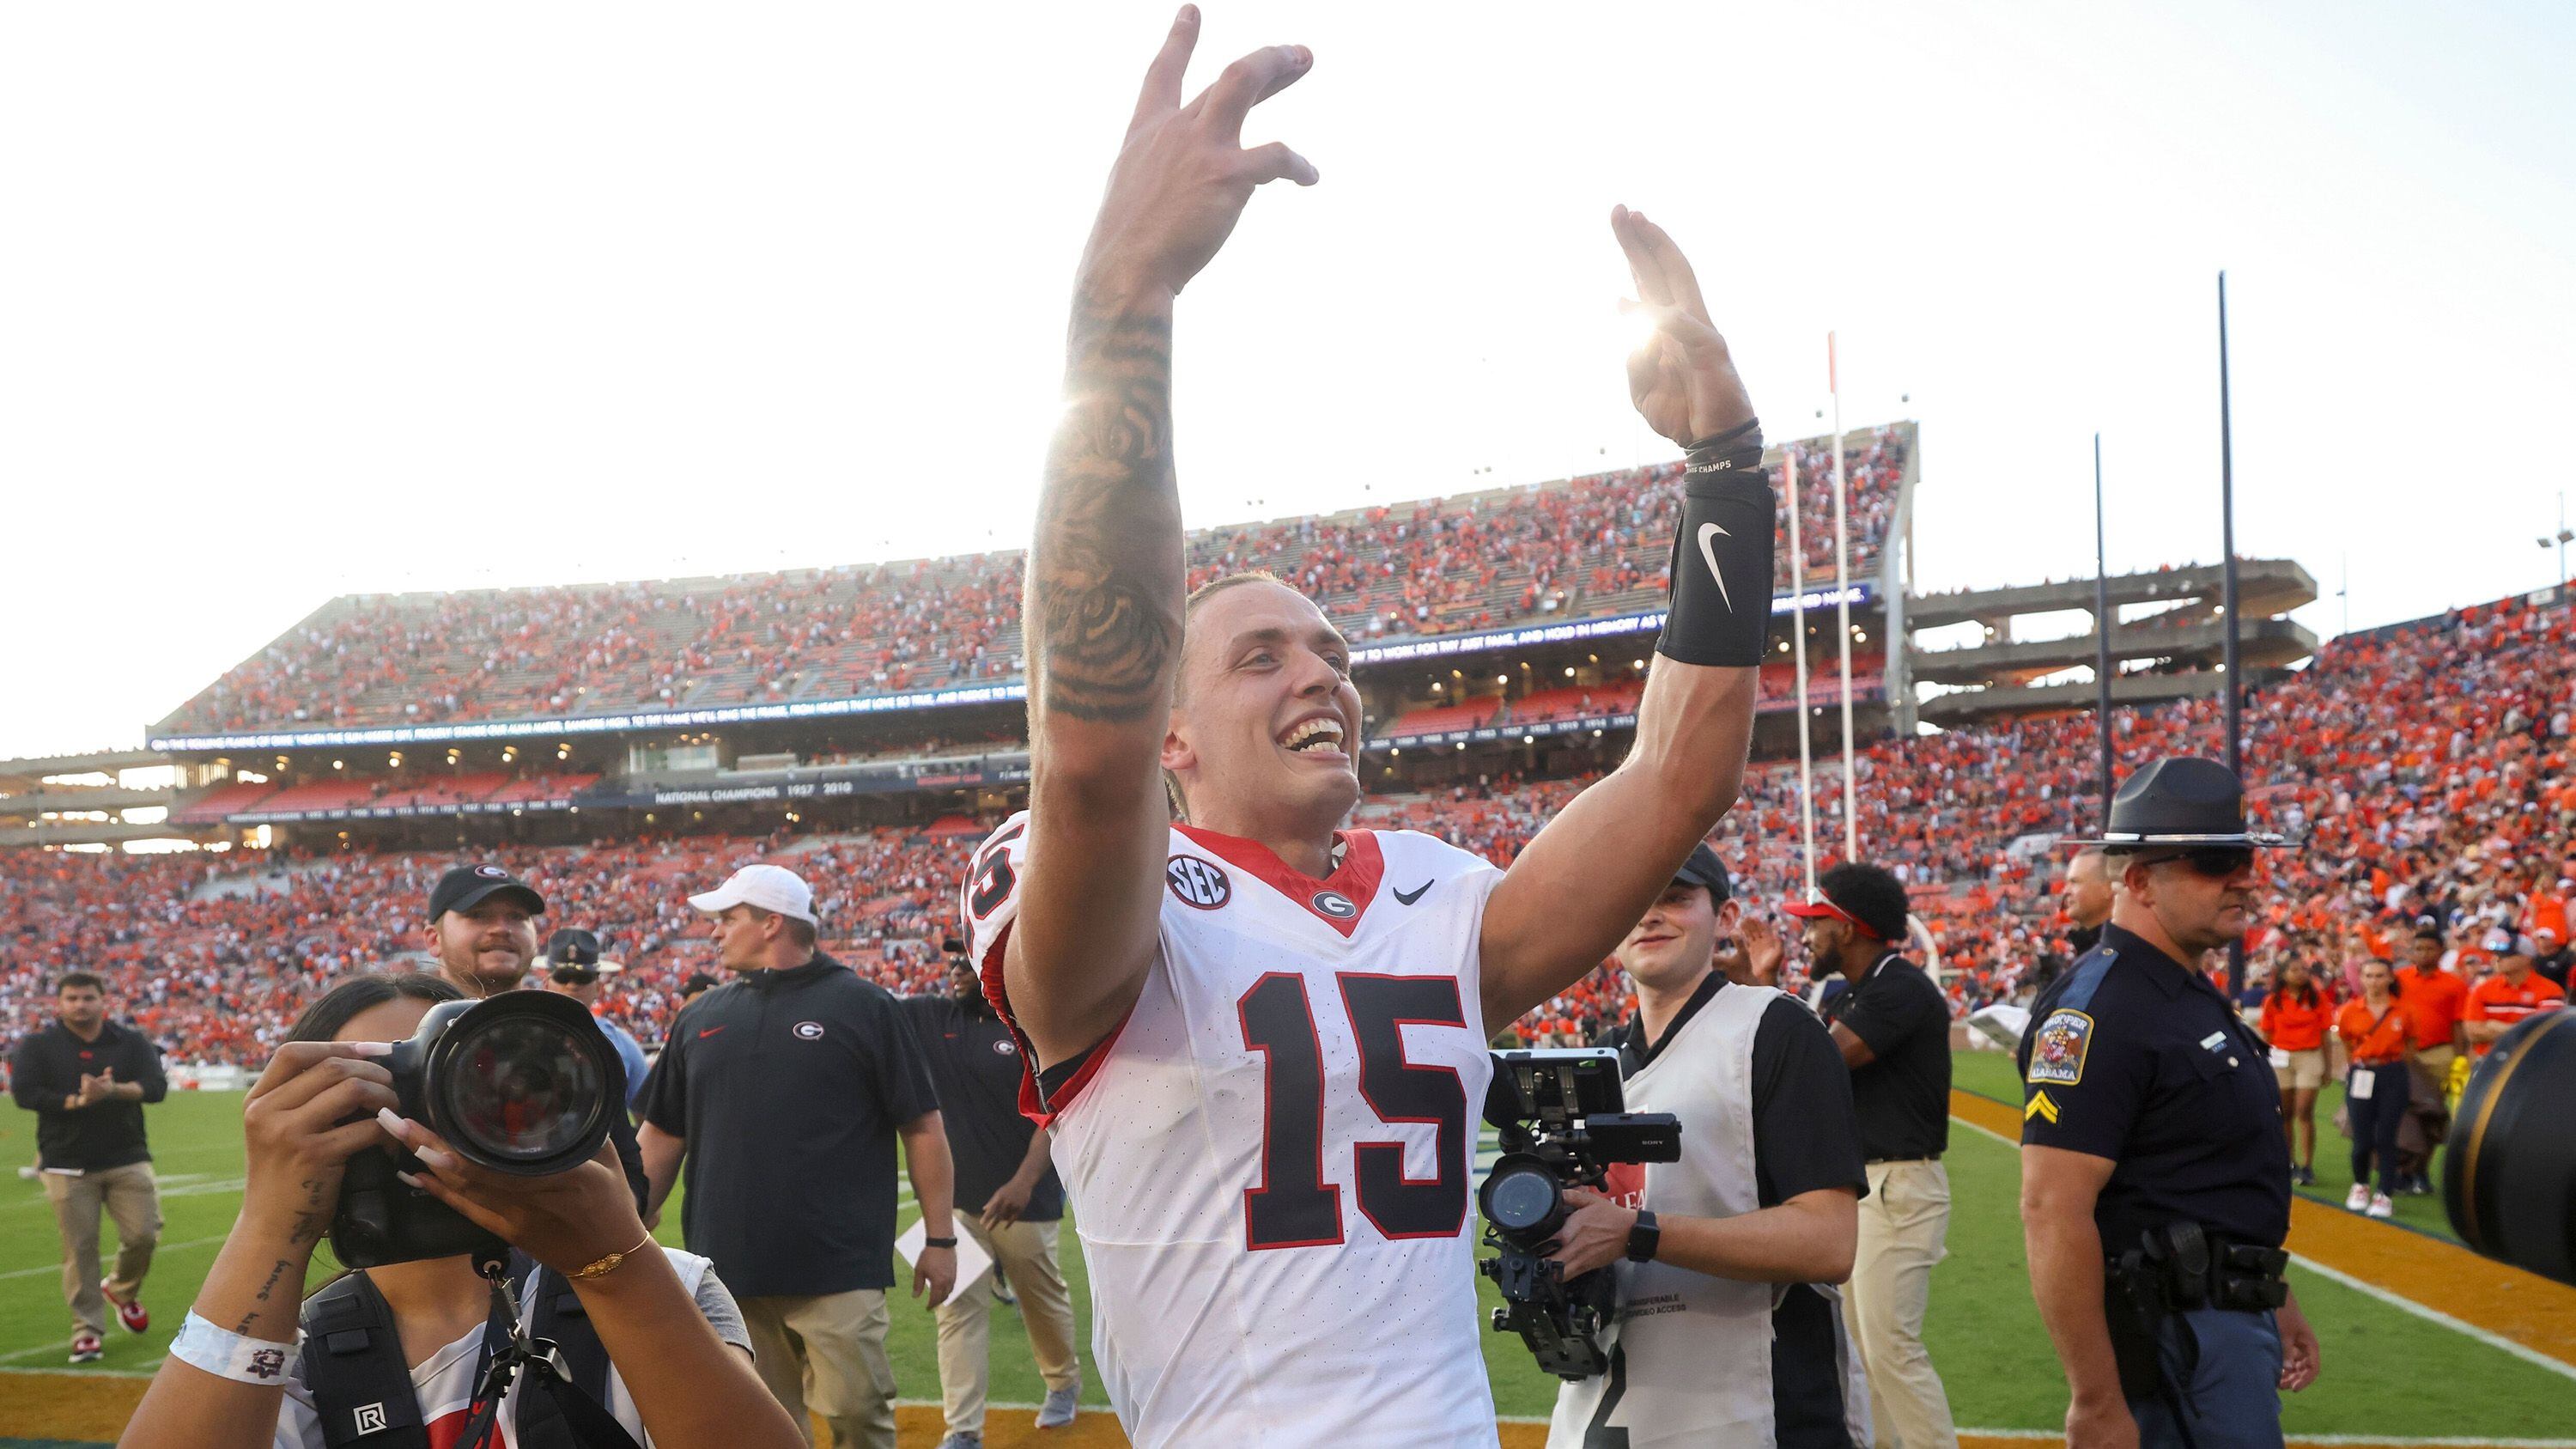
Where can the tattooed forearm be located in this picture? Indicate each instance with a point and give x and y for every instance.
(274, 1274)
(1105, 571)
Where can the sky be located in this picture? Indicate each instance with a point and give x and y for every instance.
(301, 300)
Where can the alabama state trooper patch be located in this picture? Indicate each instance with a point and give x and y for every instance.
(2057, 1052)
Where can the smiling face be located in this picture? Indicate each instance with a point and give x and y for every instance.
(488, 948)
(1266, 722)
(1676, 940)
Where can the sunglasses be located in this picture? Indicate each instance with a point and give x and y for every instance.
(2217, 862)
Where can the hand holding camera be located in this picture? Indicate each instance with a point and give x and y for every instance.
(310, 1112)
(566, 1221)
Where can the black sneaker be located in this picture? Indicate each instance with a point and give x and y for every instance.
(2302, 1177)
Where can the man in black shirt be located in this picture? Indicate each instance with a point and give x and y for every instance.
(1893, 1028)
(86, 1078)
(1002, 1169)
(784, 1091)
(1763, 1196)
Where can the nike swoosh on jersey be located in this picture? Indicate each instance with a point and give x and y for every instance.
(1708, 531)
(1409, 897)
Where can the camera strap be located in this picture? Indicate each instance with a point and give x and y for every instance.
(559, 1401)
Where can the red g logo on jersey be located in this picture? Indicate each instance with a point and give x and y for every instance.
(1197, 882)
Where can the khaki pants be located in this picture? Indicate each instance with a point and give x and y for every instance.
(129, 1197)
(1902, 1224)
(828, 1352)
(1025, 1251)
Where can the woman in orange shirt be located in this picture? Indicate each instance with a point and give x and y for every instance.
(2295, 1017)
(2374, 1026)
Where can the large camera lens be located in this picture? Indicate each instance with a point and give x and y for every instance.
(521, 1088)
(2509, 1173)
(1524, 1201)
(521, 1083)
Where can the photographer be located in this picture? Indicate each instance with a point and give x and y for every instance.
(235, 1377)
(1707, 1349)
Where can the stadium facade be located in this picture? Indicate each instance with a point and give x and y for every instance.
(1500, 634)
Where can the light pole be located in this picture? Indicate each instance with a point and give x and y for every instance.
(2561, 539)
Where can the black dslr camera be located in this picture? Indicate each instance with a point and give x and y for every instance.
(1559, 1113)
(518, 1083)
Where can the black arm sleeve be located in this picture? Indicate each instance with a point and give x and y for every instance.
(1806, 1136)
(28, 1084)
(147, 1069)
(665, 1102)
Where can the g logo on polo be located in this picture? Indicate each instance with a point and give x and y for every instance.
(1005, 1048)
(491, 872)
(809, 1030)
(1197, 882)
(1334, 904)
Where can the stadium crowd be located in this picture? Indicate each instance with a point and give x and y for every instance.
(2425, 766)
(1597, 544)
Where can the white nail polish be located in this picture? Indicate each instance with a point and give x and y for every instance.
(390, 1120)
(371, 1048)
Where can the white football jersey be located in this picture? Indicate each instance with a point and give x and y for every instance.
(1269, 1159)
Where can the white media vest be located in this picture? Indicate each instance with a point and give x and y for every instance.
(1691, 1354)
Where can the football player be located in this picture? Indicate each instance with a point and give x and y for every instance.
(1258, 1037)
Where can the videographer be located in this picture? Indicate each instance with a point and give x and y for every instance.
(679, 1366)
(1706, 1348)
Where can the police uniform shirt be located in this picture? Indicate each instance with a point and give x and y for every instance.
(975, 1062)
(789, 1087)
(2133, 1057)
(1903, 1093)
(1805, 1138)
(47, 1067)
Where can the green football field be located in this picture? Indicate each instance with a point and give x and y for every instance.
(2389, 1373)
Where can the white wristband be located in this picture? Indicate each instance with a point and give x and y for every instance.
(229, 1355)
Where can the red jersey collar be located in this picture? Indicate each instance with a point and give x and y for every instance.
(1354, 881)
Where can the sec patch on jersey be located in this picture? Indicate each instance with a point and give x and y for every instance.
(2057, 1053)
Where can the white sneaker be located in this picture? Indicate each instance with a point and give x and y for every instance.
(2358, 1199)
(2381, 1207)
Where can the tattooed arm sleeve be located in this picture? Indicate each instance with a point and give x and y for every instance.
(1104, 630)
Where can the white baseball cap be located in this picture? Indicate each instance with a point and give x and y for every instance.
(773, 888)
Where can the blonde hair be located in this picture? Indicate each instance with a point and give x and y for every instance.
(1189, 609)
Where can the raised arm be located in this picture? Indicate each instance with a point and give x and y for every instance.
(1596, 867)
(1105, 575)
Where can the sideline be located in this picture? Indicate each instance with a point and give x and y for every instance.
(2520, 1313)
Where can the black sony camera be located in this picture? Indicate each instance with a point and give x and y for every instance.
(1560, 1116)
(2509, 1170)
(520, 1083)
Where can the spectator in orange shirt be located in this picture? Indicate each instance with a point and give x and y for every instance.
(2435, 1000)
(2512, 995)
(2295, 1017)
(2549, 906)
(2374, 1027)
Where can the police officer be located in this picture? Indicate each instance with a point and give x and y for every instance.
(2155, 1177)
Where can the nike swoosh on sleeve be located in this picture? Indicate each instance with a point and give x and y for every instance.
(1709, 531)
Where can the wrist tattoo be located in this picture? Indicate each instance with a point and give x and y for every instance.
(1105, 568)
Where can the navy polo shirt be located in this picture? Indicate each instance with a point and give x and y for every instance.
(2132, 1057)
(974, 1060)
(789, 1088)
